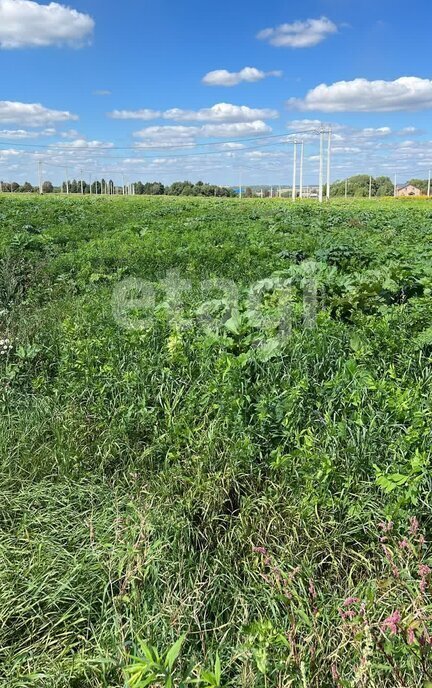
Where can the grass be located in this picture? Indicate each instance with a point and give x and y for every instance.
(226, 486)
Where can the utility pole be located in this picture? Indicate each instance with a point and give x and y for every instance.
(40, 177)
(329, 150)
(82, 185)
(320, 193)
(294, 191)
(429, 184)
(124, 185)
(301, 167)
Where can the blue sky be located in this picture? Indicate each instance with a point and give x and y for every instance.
(138, 87)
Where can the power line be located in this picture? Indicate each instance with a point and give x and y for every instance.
(137, 147)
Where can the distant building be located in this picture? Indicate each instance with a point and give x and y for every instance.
(408, 190)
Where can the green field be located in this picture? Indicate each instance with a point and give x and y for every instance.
(245, 466)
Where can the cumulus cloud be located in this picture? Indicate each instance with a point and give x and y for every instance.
(144, 114)
(299, 34)
(25, 133)
(83, 143)
(222, 77)
(221, 112)
(408, 93)
(31, 114)
(27, 24)
(163, 136)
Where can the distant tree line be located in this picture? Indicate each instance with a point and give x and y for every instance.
(78, 186)
(358, 186)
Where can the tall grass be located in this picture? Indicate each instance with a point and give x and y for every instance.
(167, 482)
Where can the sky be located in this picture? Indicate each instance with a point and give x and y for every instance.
(214, 91)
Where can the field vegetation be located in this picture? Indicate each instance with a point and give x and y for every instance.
(189, 495)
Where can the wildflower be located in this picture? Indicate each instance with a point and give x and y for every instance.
(414, 526)
(391, 623)
(259, 550)
(5, 346)
(410, 636)
(386, 526)
(404, 544)
(334, 673)
(424, 571)
(350, 600)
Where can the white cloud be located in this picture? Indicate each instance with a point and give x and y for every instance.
(84, 144)
(222, 77)
(102, 92)
(144, 114)
(31, 114)
(25, 134)
(163, 136)
(221, 112)
(24, 23)
(235, 129)
(299, 34)
(360, 95)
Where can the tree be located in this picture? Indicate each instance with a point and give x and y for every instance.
(47, 187)
(385, 186)
(26, 188)
(421, 184)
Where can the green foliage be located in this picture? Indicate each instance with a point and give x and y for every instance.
(205, 476)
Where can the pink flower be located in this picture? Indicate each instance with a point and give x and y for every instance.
(424, 572)
(334, 673)
(259, 550)
(410, 636)
(404, 544)
(386, 526)
(350, 600)
(391, 623)
(414, 526)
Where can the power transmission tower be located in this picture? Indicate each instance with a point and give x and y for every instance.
(294, 191)
(40, 177)
(301, 167)
(320, 192)
(329, 151)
